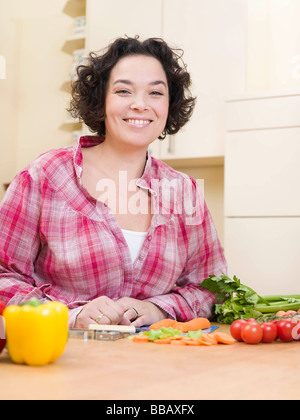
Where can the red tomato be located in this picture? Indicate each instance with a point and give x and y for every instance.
(252, 320)
(252, 333)
(284, 329)
(236, 327)
(296, 332)
(281, 313)
(269, 332)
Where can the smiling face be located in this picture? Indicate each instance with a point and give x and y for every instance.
(137, 101)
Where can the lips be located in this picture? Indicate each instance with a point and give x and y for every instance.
(137, 122)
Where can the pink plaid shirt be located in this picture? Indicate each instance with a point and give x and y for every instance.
(59, 243)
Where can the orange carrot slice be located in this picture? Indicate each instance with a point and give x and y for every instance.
(162, 341)
(207, 340)
(191, 341)
(197, 324)
(177, 343)
(140, 339)
(223, 338)
(179, 326)
(163, 323)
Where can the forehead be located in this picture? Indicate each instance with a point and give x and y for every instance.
(138, 67)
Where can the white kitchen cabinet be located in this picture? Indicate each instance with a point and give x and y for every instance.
(261, 193)
(264, 253)
(262, 173)
(212, 36)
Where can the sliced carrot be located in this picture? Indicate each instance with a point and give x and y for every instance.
(177, 343)
(179, 326)
(197, 324)
(140, 339)
(192, 325)
(163, 323)
(191, 341)
(223, 338)
(207, 340)
(162, 341)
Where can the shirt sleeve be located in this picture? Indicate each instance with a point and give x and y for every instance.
(20, 242)
(187, 299)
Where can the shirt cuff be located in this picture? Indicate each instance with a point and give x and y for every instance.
(73, 313)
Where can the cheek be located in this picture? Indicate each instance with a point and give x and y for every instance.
(163, 111)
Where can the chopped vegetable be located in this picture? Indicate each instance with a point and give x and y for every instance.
(223, 338)
(177, 343)
(192, 325)
(240, 301)
(178, 338)
(163, 323)
(194, 334)
(140, 338)
(163, 341)
(161, 333)
(191, 341)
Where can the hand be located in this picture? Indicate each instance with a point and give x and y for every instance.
(148, 312)
(113, 313)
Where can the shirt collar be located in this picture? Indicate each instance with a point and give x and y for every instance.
(82, 142)
(89, 141)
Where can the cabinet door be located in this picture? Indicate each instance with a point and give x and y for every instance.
(264, 253)
(262, 173)
(212, 35)
(107, 20)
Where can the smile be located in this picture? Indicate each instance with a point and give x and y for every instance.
(138, 123)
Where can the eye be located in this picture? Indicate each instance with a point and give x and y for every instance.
(123, 92)
(156, 93)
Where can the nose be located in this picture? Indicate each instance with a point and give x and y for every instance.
(139, 103)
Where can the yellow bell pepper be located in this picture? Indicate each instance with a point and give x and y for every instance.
(36, 334)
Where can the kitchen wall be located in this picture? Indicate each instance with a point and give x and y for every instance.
(32, 103)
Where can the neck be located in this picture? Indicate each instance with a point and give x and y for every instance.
(116, 159)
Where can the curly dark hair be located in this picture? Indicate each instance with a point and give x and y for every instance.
(89, 88)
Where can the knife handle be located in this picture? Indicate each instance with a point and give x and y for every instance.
(119, 328)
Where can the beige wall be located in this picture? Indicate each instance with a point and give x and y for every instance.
(32, 103)
(9, 36)
(273, 45)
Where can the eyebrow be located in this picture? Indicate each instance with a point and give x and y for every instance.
(129, 82)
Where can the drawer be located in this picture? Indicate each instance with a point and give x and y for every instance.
(263, 113)
(264, 253)
(262, 173)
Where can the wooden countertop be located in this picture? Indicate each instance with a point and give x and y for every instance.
(122, 370)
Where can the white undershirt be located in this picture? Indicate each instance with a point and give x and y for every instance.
(134, 241)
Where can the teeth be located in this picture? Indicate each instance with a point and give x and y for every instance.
(139, 122)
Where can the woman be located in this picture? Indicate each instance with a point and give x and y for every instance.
(101, 226)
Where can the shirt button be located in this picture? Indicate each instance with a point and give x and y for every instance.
(149, 238)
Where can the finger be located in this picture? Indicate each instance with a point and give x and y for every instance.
(125, 321)
(131, 314)
(113, 312)
(141, 321)
(110, 310)
(100, 318)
